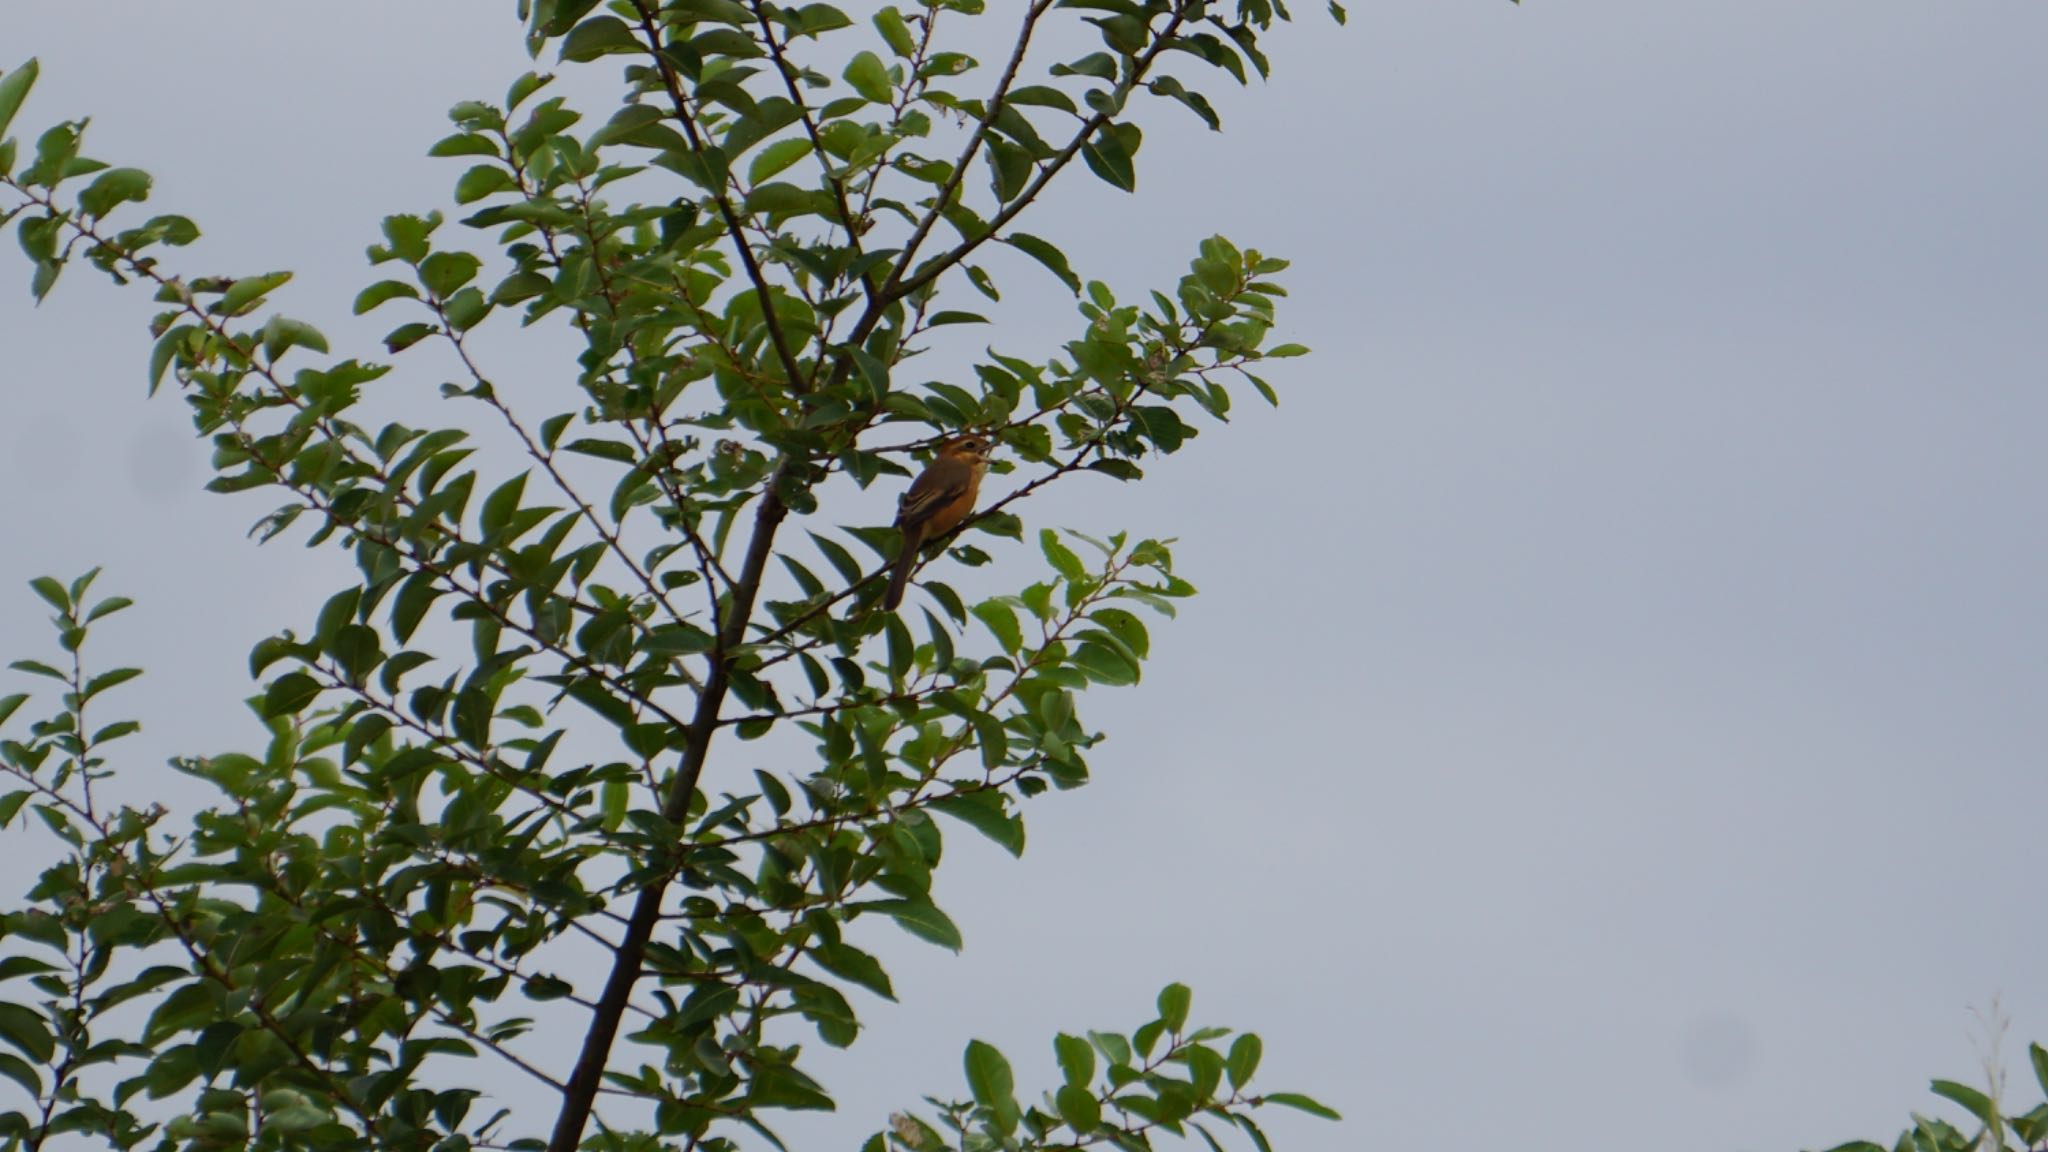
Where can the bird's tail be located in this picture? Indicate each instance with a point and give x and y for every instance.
(900, 575)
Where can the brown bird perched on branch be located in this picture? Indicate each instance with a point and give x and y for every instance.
(936, 502)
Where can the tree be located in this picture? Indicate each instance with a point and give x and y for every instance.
(752, 250)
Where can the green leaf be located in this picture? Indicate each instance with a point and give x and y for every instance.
(14, 88)
(1978, 1103)
(1108, 157)
(1195, 101)
(1100, 65)
(2038, 1054)
(1174, 1000)
(112, 188)
(979, 277)
(52, 592)
(1302, 1103)
(781, 197)
(289, 694)
(852, 964)
(14, 967)
(994, 1088)
(869, 77)
(21, 1072)
(281, 333)
(776, 157)
(678, 640)
(1011, 168)
(248, 292)
(1105, 665)
(780, 1086)
(383, 291)
(106, 680)
(464, 144)
(1047, 254)
(873, 372)
(1079, 1108)
(501, 504)
(919, 917)
(444, 272)
(1001, 620)
(164, 352)
(26, 1029)
(1113, 1047)
(415, 596)
(1243, 1060)
(406, 335)
(984, 812)
(1126, 628)
(889, 22)
(481, 181)
(603, 449)
(1077, 1059)
(841, 560)
(1041, 96)
(599, 36)
(1060, 556)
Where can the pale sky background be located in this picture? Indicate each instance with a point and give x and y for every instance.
(1614, 713)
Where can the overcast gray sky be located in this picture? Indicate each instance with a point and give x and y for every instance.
(1614, 713)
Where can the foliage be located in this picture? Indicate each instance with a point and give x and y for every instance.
(751, 251)
(1997, 1128)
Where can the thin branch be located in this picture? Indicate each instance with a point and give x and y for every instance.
(547, 462)
(951, 188)
(846, 215)
(734, 225)
(898, 287)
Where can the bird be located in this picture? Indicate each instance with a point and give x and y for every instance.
(935, 503)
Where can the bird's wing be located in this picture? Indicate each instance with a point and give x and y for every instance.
(938, 486)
